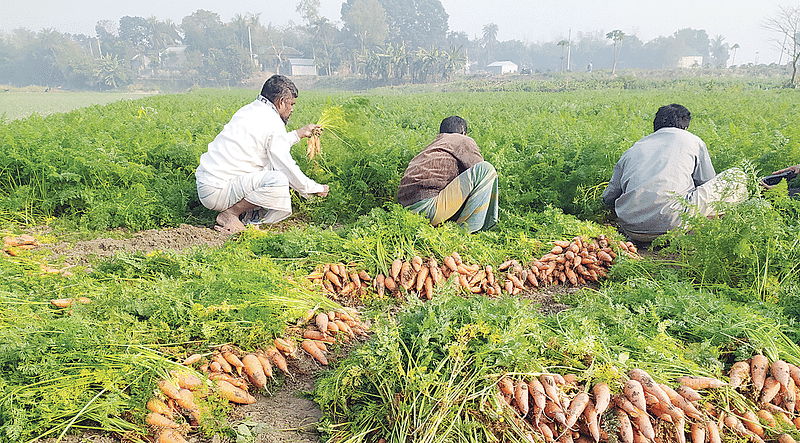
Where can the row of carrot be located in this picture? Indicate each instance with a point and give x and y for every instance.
(575, 262)
(231, 373)
(552, 407)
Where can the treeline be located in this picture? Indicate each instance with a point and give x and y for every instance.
(388, 41)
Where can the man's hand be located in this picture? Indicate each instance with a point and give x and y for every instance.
(308, 130)
(325, 192)
(795, 169)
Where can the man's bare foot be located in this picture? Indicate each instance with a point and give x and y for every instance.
(229, 223)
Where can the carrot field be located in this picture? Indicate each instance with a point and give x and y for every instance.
(549, 326)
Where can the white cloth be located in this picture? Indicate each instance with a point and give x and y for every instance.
(250, 157)
(656, 173)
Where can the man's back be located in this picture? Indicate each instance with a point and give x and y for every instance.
(437, 165)
(648, 177)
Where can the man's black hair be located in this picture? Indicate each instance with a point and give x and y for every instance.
(453, 125)
(278, 87)
(672, 116)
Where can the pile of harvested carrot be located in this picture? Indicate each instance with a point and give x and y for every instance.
(573, 262)
(758, 404)
(12, 244)
(231, 372)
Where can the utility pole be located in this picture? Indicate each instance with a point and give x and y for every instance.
(250, 39)
(569, 47)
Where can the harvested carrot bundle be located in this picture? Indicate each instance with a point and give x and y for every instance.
(333, 118)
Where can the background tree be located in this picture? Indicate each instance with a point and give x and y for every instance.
(734, 48)
(136, 31)
(719, 52)
(563, 44)
(786, 22)
(110, 73)
(616, 36)
(490, 40)
(416, 23)
(203, 30)
(366, 20)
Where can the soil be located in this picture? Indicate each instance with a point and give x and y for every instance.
(286, 414)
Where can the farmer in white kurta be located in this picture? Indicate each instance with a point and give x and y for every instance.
(248, 168)
(665, 174)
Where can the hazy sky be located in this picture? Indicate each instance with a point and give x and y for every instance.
(738, 21)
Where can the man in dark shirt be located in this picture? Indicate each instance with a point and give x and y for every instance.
(450, 180)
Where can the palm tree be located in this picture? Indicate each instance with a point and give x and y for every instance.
(734, 47)
(617, 36)
(489, 39)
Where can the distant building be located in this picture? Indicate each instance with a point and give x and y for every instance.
(502, 67)
(690, 61)
(299, 66)
(173, 56)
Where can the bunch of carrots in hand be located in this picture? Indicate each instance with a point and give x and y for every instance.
(332, 119)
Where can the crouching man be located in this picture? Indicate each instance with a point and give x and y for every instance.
(449, 180)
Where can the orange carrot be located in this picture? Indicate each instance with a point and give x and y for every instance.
(625, 428)
(554, 411)
(550, 388)
(780, 370)
(407, 276)
(186, 380)
(635, 394)
(186, 400)
(699, 382)
(758, 370)
(317, 335)
(739, 373)
(313, 350)
(576, 408)
(416, 262)
(712, 432)
(688, 393)
(397, 264)
(333, 278)
(649, 385)
(450, 262)
(390, 284)
(254, 370)
(506, 386)
(322, 322)
(521, 397)
(536, 390)
(160, 421)
(785, 438)
(192, 359)
(234, 394)
(286, 346)
(682, 403)
(591, 418)
(750, 420)
(344, 328)
(171, 436)
(214, 366)
(276, 358)
(767, 418)
(266, 365)
(169, 389)
(62, 302)
(789, 396)
(234, 361)
(770, 390)
(379, 284)
(546, 431)
(421, 277)
(602, 397)
(159, 407)
(698, 432)
(226, 367)
(794, 372)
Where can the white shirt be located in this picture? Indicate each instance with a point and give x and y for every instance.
(648, 177)
(255, 139)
